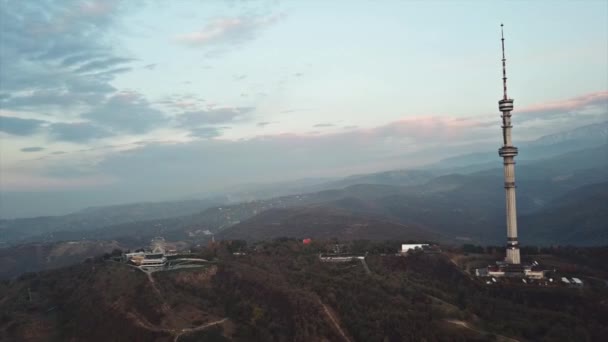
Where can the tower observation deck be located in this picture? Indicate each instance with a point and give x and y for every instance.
(508, 153)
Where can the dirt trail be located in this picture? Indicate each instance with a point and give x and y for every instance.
(367, 270)
(166, 309)
(153, 283)
(459, 268)
(466, 325)
(199, 328)
(146, 325)
(334, 321)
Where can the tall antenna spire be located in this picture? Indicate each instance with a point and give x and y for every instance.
(504, 65)
(508, 153)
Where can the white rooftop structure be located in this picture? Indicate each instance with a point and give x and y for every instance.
(407, 247)
(154, 262)
(146, 259)
(577, 281)
(534, 274)
(565, 280)
(129, 256)
(498, 273)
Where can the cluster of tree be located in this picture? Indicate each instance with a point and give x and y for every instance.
(284, 272)
(538, 314)
(580, 254)
(267, 308)
(279, 290)
(592, 257)
(409, 298)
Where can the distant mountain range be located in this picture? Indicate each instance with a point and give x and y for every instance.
(561, 200)
(578, 218)
(465, 206)
(578, 138)
(34, 257)
(42, 228)
(544, 147)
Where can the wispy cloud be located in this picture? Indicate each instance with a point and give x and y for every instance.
(274, 156)
(128, 112)
(18, 126)
(88, 94)
(205, 132)
(32, 149)
(46, 47)
(599, 98)
(233, 30)
(293, 110)
(555, 116)
(408, 142)
(102, 64)
(78, 132)
(213, 116)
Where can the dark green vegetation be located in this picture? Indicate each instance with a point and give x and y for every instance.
(280, 291)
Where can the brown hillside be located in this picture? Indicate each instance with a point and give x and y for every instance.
(323, 223)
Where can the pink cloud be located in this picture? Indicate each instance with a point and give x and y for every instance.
(96, 8)
(416, 130)
(127, 96)
(427, 126)
(185, 104)
(215, 29)
(576, 103)
(227, 30)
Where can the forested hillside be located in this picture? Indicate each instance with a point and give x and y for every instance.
(280, 291)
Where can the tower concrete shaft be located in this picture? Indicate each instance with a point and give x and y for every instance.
(508, 153)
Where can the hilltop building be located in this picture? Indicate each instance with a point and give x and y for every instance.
(156, 258)
(413, 246)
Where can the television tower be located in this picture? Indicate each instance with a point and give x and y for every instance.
(508, 153)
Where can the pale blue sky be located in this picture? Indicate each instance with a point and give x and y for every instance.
(89, 87)
(390, 58)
